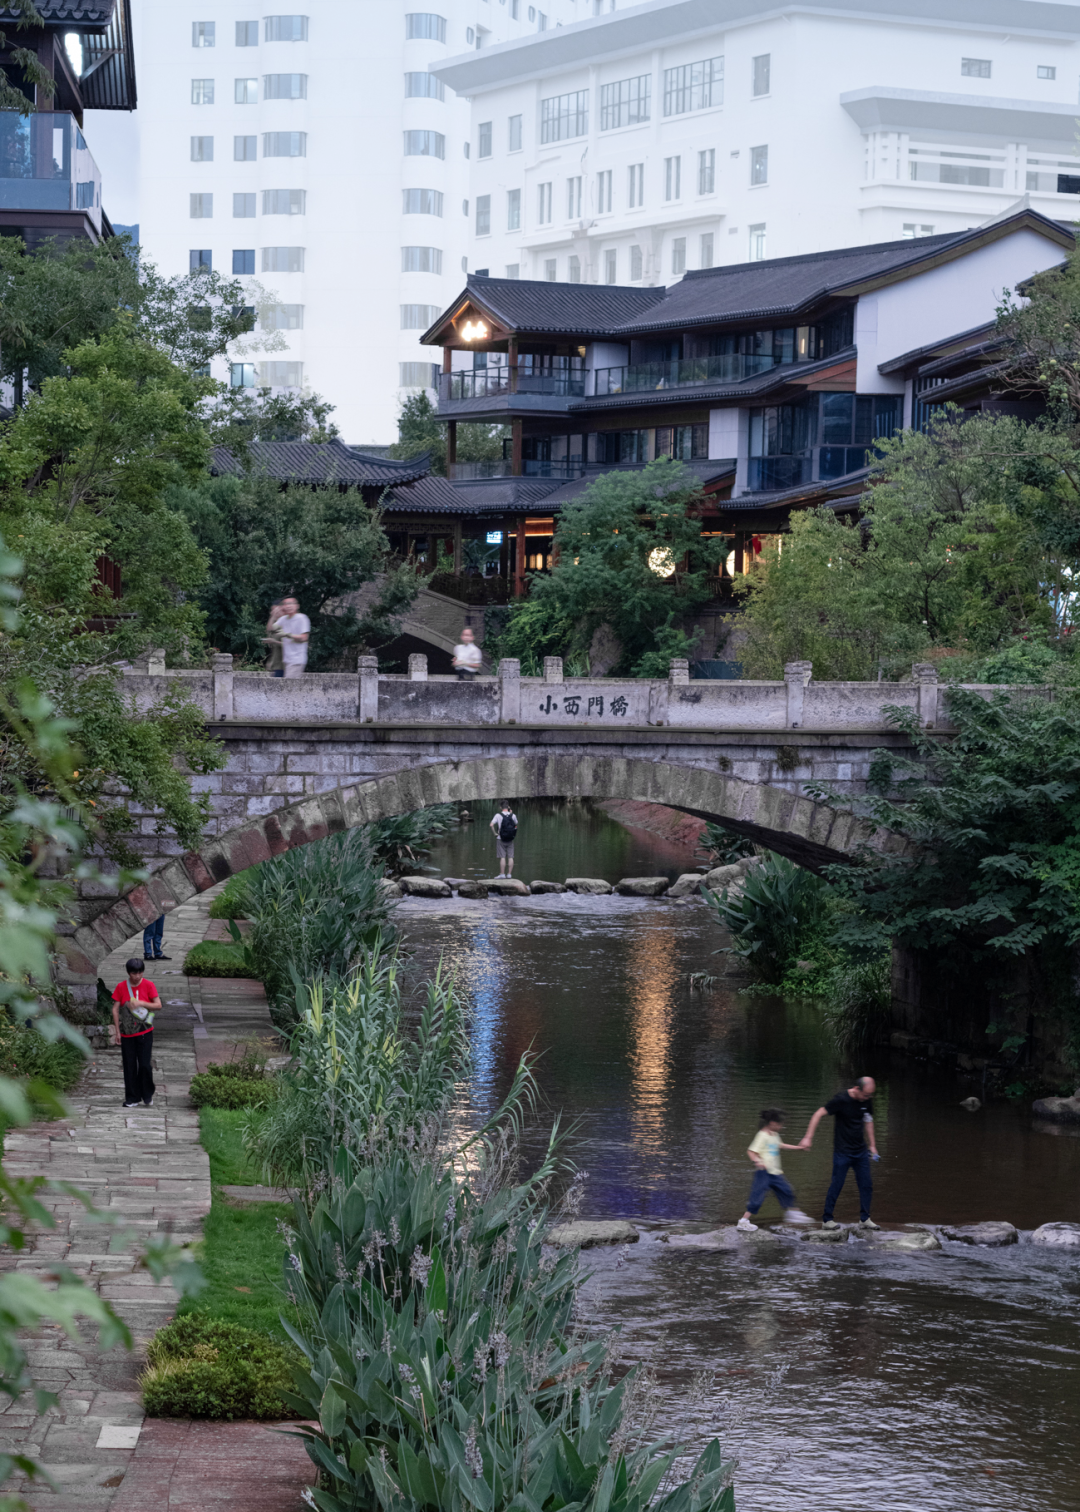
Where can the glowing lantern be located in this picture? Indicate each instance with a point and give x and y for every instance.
(474, 331)
(661, 562)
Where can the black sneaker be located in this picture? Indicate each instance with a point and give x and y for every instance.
(147, 957)
(163, 958)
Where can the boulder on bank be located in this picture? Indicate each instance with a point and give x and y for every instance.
(390, 888)
(546, 887)
(1058, 1109)
(584, 1233)
(686, 886)
(729, 876)
(588, 885)
(507, 887)
(425, 887)
(642, 887)
(1058, 1235)
(472, 890)
(991, 1233)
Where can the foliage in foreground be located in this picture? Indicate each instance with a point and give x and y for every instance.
(206, 1368)
(722, 846)
(28, 1056)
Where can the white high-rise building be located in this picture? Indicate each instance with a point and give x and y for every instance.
(684, 134)
(315, 153)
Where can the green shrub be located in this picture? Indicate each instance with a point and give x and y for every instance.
(201, 1367)
(210, 1091)
(26, 1055)
(722, 846)
(233, 902)
(216, 958)
(858, 1002)
(780, 907)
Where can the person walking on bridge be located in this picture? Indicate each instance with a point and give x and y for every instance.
(853, 1146)
(504, 827)
(467, 657)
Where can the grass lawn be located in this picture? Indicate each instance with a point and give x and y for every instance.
(216, 958)
(242, 1249)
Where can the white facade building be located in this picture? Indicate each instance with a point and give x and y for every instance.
(685, 134)
(316, 153)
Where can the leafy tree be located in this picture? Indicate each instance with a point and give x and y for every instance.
(24, 59)
(420, 431)
(1041, 333)
(241, 416)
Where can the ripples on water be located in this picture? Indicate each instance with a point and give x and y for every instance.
(928, 1382)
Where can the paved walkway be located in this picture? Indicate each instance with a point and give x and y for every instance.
(148, 1165)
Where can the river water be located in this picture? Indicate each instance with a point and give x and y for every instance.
(840, 1377)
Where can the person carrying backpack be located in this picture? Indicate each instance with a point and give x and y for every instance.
(504, 828)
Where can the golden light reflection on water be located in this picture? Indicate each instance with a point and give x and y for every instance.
(652, 974)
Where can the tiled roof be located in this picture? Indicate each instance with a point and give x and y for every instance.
(526, 304)
(428, 495)
(909, 359)
(320, 462)
(705, 471)
(505, 495)
(70, 12)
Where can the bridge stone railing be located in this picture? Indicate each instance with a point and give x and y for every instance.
(555, 701)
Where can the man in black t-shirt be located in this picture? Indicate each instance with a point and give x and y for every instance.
(853, 1145)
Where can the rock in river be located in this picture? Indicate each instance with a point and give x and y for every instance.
(992, 1233)
(425, 887)
(587, 885)
(885, 1239)
(584, 1233)
(642, 887)
(507, 887)
(546, 887)
(1058, 1109)
(686, 886)
(1060, 1235)
(472, 890)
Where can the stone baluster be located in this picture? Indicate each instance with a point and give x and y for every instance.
(367, 708)
(155, 663)
(418, 667)
(509, 690)
(553, 672)
(925, 675)
(678, 670)
(223, 685)
(796, 676)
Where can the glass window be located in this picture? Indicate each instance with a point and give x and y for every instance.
(202, 91)
(284, 202)
(202, 206)
(465, 213)
(550, 269)
(282, 374)
(837, 411)
(247, 34)
(673, 178)
(757, 243)
(242, 375)
(421, 260)
(483, 215)
(611, 263)
(200, 260)
(564, 116)
(202, 149)
(417, 317)
(1045, 72)
(975, 68)
(422, 26)
(635, 186)
(622, 446)
(417, 374)
(290, 86)
(678, 254)
(283, 259)
(916, 229)
(245, 149)
(707, 254)
(625, 103)
(694, 86)
(573, 198)
(573, 264)
(424, 86)
(684, 442)
(422, 202)
(425, 144)
(513, 210)
(543, 204)
(514, 134)
(243, 208)
(603, 191)
(203, 33)
(285, 28)
(284, 144)
(483, 148)
(513, 270)
(760, 66)
(635, 263)
(243, 260)
(759, 165)
(246, 91)
(706, 171)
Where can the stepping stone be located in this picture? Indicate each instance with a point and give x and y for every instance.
(883, 1239)
(991, 1233)
(592, 885)
(390, 888)
(546, 887)
(472, 890)
(507, 887)
(642, 887)
(1058, 1235)
(583, 1234)
(425, 887)
(686, 886)
(827, 1236)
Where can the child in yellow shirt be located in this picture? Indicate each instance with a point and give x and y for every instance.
(764, 1153)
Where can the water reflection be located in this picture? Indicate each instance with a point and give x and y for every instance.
(651, 975)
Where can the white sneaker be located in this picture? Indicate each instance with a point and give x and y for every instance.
(746, 1227)
(796, 1215)
(868, 1223)
(133, 1105)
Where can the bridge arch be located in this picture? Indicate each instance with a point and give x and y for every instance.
(798, 827)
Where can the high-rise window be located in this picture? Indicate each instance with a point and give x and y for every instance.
(202, 206)
(1044, 71)
(246, 91)
(483, 146)
(483, 215)
(573, 198)
(541, 25)
(757, 243)
(543, 204)
(424, 86)
(514, 134)
(610, 265)
(706, 171)
(243, 260)
(421, 260)
(573, 264)
(282, 317)
(283, 259)
(694, 86)
(551, 267)
(975, 68)
(421, 202)
(281, 374)
(202, 149)
(707, 257)
(603, 191)
(244, 149)
(625, 103)
(678, 254)
(513, 209)
(423, 26)
(285, 28)
(247, 34)
(202, 91)
(200, 260)
(284, 144)
(673, 178)
(564, 116)
(513, 270)
(635, 264)
(425, 144)
(760, 70)
(635, 188)
(759, 165)
(242, 375)
(291, 86)
(417, 375)
(913, 229)
(284, 202)
(417, 317)
(203, 33)
(243, 208)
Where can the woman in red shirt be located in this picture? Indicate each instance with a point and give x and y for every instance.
(134, 1004)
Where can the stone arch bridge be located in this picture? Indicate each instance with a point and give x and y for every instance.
(311, 756)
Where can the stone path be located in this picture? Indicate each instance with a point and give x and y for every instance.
(147, 1165)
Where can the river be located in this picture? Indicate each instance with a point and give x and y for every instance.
(840, 1377)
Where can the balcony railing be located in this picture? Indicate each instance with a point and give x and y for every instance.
(45, 165)
(686, 372)
(485, 383)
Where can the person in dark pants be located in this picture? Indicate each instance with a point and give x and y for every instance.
(134, 1004)
(151, 940)
(853, 1146)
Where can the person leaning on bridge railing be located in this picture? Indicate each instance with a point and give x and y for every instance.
(467, 657)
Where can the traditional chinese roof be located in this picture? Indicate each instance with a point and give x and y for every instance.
(107, 81)
(319, 462)
(73, 15)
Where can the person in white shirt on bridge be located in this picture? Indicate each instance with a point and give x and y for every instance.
(467, 657)
(294, 629)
